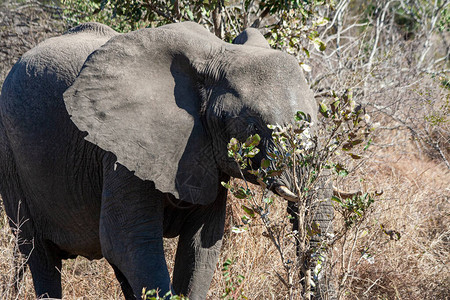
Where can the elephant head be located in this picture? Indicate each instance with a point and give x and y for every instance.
(167, 101)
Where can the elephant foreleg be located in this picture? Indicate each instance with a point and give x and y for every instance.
(124, 284)
(198, 248)
(45, 266)
(131, 231)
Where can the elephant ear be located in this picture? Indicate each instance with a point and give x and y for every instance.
(251, 37)
(137, 97)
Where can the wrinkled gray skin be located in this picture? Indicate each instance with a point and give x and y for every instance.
(108, 142)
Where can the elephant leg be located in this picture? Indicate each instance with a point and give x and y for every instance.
(45, 266)
(199, 247)
(126, 287)
(42, 257)
(131, 229)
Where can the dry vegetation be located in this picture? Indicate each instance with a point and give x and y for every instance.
(401, 250)
(415, 203)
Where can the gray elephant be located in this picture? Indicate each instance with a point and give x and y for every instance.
(110, 142)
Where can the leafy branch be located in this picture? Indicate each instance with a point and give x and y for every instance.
(307, 152)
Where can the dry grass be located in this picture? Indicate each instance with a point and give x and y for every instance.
(253, 255)
(415, 203)
(12, 286)
(82, 279)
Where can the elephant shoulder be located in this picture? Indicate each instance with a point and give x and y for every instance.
(55, 62)
(44, 72)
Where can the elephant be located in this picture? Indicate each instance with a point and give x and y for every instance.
(110, 142)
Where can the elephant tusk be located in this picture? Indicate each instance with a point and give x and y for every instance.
(345, 195)
(284, 192)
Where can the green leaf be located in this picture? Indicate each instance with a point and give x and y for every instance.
(252, 152)
(254, 172)
(313, 35)
(300, 116)
(190, 14)
(226, 185)
(323, 109)
(245, 219)
(336, 199)
(319, 44)
(238, 229)
(268, 200)
(240, 194)
(227, 263)
(320, 21)
(253, 140)
(265, 163)
(367, 145)
(355, 156)
(233, 145)
(343, 173)
(249, 211)
(306, 51)
(347, 146)
(308, 118)
(335, 106)
(340, 170)
(313, 229)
